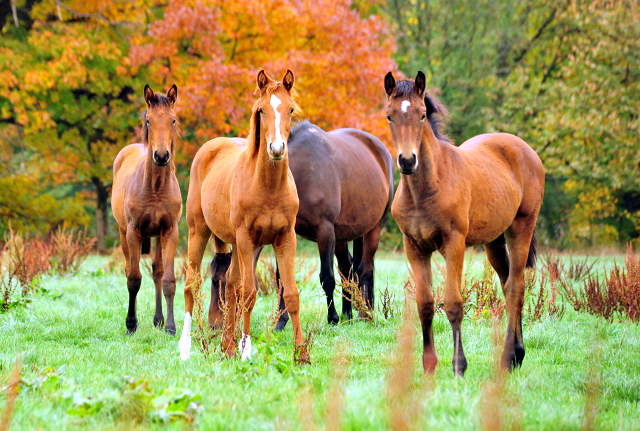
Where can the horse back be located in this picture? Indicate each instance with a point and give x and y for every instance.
(339, 179)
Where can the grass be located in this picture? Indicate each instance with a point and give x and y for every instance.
(74, 350)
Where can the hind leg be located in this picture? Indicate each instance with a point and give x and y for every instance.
(284, 314)
(158, 272)
(219, 266)
(345, 267)
(518, 238)
(370, 245)
(499, 260)
(326, 247)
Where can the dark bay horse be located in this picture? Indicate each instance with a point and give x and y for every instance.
(344, 180)
(487, 191)
(242, 193)
(146, 202)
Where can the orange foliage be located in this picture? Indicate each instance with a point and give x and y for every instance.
(212, 50)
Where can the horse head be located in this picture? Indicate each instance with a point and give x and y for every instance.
(160, 124)
(407, 110)
(272, 113)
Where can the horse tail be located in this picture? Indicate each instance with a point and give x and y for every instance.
(146, 245)
(533, 253)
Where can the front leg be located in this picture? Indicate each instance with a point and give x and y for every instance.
(246, 250)
(420, 262)
(169, 244)
(134, 277)
(453, 251)
(285, 248)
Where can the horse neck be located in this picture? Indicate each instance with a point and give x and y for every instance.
(425, 179)
(155, 177)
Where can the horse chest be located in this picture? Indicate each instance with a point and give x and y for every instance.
(266, 227)
(426, 228)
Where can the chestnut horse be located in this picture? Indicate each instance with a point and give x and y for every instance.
(146, 203)
(487, 191)
(344, 180)
(242, 193)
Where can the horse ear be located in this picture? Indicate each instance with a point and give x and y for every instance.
(172, 94)
(389, 83)
(420, 82)
(262, 80)
(149, 95)
(288, 80)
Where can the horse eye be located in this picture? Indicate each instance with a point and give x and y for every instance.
(389, 117)
(147, 122)
(291, 111)
(423, 117)
(174, 121)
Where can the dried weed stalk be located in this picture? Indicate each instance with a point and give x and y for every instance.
(357, 298)
(500, 408)
(12, 389)
(387, 304)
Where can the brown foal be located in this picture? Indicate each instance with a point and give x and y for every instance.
(487, 191)
(146, 203)
(242, 193)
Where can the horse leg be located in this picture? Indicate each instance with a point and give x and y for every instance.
(246, 253)
(326, 247)
(134, 277)
(285, 248)
(499, 260)
(199, 234)
(284, 314)
(219, 266)
(345, 267)
(370, 245)
(158, 271)
(421, 268)
(169, 241)
(234, 284)
(453, 251)
(125, 251)
(518, 238)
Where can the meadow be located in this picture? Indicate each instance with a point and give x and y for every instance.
(80, 370)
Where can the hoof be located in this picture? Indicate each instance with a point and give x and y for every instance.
(171, 330)
(519, 356)
(301, 356)
(429, 362)
(158, 322)
(508, 362)
(282, 323)
(333, 319)
(460, 367)
(132, 325)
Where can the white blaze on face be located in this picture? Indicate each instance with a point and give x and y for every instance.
(278, 145)
(405, 105)
(185, 339)
(245, 347)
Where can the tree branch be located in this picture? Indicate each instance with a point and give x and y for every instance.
(97, 16)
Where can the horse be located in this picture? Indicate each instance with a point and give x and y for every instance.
(344, 180)
(242, 194)
(486, 192)
(147, 203)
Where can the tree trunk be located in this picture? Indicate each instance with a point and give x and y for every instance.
(101, 212)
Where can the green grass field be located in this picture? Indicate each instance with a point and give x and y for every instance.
(81, 371)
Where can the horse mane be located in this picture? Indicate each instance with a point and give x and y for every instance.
(161, 101)
(254, 131)
(437, 113)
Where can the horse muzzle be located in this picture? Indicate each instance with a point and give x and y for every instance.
(161, 160)
(276, 150)
(407, 165)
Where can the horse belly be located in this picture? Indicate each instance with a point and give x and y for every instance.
(489, 221)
